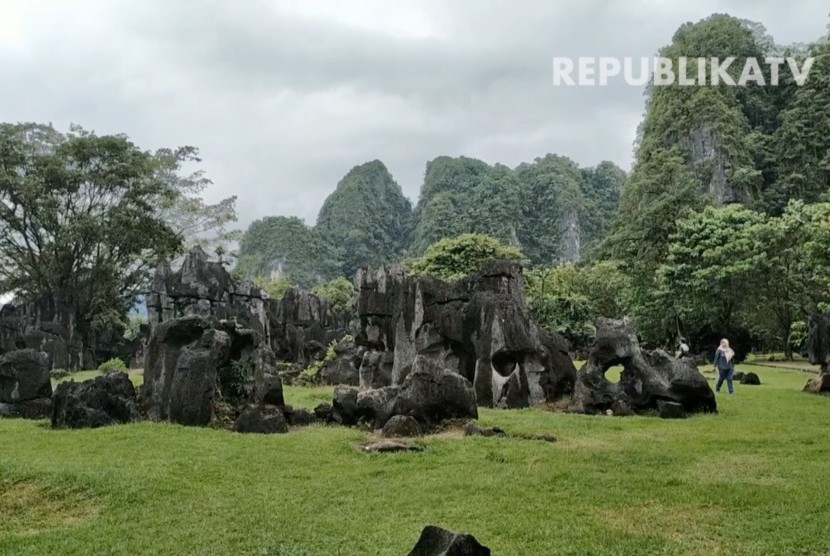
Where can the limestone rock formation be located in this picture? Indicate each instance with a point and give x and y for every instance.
(478, 327)
(818, 350)
(436, 541)
(646, 379)
(105, 400)
(25, 387)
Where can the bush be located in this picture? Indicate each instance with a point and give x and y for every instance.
(113, 365)
(309, 375)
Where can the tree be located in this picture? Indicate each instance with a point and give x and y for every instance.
(339, 292)
(275, 288)
(78, 219)
(712, 259)
(367, 218)
(569, 299)
(454, 258)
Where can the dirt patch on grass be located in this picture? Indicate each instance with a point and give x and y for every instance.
(28, 508)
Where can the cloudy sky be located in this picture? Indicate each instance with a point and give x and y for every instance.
(284, 97)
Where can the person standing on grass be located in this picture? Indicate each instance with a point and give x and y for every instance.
(725, 365)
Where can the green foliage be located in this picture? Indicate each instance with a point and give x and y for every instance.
(308, 376)
(454, 258)
(78, 218)
(339, 292)
(570, 299)
(234, 380)
(133, 328)
(798, 336)
(113, 365)
(367, 218)
(285, 246)
(275, 288)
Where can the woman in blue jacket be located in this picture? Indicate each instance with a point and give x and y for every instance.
(724, 364)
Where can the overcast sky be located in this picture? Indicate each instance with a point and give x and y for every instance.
(284, 97)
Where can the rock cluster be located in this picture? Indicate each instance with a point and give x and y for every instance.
(647, 378)
(478, 328)
(105, 400)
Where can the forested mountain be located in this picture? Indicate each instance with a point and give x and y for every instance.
(551, 209)
(708, 146)
(367, 217)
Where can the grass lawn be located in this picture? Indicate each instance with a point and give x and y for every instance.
(751, 480)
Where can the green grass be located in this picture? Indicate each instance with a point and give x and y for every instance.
(136, 376)
(750, 480)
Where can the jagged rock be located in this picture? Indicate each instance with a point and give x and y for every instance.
(24, 375)
(25, 384)
(751, 379)
(302, 325)
(262, 419)
(647, 377)
(344, 405)
(478, 327)
(345, 368)
(818, 341)
(105, 400)
(401, 426)
(376, 406)
(818, 385)
(430, 393)
(670, 410)
(195, 362)
(436, 541)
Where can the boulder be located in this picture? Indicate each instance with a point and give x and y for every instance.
(818, 340)
(738, 376)
(401, 426)
(105, 400)
(750, 378)
(24, 376)
(431, 394)
(299, 417)
(39, 408)
(344, 405)
(478, 328)
(377, 406)
(670, 410)
(647, 376)
(262, 419)
(323, 413)
(436, 541)
(345, 367)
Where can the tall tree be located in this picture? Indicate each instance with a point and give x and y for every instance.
(78, 219)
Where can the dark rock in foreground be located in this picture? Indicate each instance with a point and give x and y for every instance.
(386, 446)
(401, 426)
(25, 386)
(266, 419)
(646, 379)
(436, 541)
(670, 410)
(751, 379)
(105, 400)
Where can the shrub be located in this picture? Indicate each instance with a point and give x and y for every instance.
(309, 375)
(112, 365)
